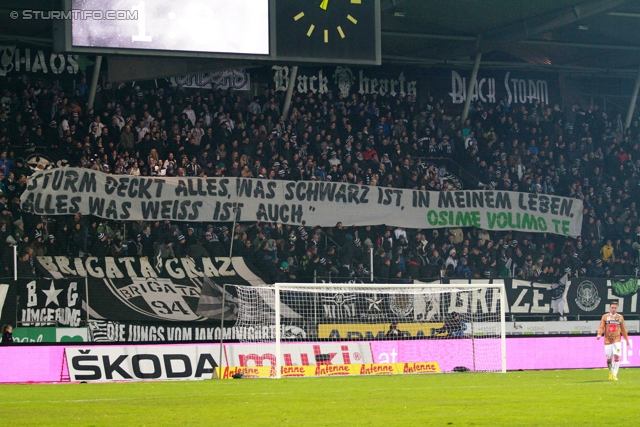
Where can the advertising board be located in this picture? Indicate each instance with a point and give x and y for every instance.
(192, 362)
(50, 335)
(522, 353)
(24, 364)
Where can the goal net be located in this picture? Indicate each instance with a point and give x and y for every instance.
(355, 329)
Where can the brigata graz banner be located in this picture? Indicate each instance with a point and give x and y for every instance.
(581, 295)
(367, 316)
(70, 190)
(52, 302)
(186, 290)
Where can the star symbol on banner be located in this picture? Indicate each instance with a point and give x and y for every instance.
(374, 302)
(52, 294)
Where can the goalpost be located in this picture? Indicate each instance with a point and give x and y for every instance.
(307, 329)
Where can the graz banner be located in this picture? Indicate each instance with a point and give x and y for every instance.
(132, 290)
(52, 302)
(231, 79)
(367, 316)
(70, 190)
(583, 296)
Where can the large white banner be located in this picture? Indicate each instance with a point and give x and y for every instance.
(71, 190)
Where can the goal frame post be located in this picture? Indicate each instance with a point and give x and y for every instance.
(502, 295)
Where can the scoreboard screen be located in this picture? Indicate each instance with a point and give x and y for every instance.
(338, 31)
(213, 26)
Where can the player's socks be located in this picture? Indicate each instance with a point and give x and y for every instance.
(616, 366)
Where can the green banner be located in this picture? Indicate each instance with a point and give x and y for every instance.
(623, 289)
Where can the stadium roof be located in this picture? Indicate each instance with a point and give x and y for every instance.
(571, 35)
(564, 34)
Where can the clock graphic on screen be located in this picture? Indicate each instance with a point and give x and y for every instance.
(335, 30)
(329, 21)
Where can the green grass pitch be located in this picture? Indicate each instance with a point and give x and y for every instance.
(534, 398)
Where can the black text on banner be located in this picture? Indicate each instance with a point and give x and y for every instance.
(69, 191)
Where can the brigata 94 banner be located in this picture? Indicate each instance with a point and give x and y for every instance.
(70, 190)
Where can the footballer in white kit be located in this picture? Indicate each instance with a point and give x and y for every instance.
(612, 327)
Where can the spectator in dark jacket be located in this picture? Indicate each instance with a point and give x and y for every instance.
(25, 268)
(7, 334)
(100, 247)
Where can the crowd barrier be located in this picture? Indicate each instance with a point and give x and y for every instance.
(71, 363)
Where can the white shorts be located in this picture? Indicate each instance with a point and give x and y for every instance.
(611, 350)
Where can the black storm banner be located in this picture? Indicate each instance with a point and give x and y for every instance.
(514, 87)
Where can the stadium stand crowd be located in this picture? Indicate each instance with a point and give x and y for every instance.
(365, 139)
